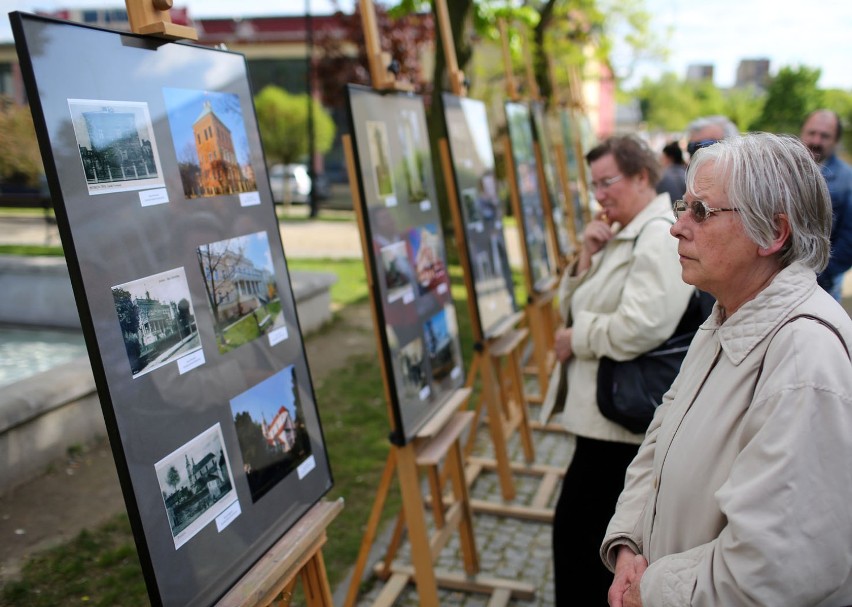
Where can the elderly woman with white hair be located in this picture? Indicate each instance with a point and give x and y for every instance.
(741, 493)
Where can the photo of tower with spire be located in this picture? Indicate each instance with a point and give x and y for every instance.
(210, 141)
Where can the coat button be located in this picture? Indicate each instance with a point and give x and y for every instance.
(656, 482)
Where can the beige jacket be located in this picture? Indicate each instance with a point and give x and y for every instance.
(628, 302)
(741, 493)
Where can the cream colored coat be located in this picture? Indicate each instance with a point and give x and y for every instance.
(741, 493)
(628, 302)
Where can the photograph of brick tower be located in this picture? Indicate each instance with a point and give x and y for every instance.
(211, 143)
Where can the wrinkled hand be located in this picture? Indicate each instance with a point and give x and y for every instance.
(562, 344)
(629, 568)
(595, 236)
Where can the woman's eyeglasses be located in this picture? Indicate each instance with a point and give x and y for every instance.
(605, 183)
(699, 209)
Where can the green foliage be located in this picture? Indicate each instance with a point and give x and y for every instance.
(283, 122)
(20, 161)
(791, 94)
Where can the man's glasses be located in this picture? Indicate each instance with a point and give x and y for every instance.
(694, 146)
(699, 209)
(605, 183)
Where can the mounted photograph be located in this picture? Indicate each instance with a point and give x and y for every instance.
(427, 253)
(196, 483)
(440, 332)
(412, 371)
(241, 290)
(157, 322)
(211, 144)
(116, 143)
(399, 275)
(270, 426)
(377, 137)
(415, 145)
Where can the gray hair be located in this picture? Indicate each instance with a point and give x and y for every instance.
(765, 175)
(729, 128)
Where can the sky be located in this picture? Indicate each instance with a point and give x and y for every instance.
(721, 32)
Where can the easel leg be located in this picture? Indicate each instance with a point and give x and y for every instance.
(468, 542)
(315, 583)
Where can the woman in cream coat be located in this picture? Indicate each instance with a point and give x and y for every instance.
(623, 297)
(741, 493)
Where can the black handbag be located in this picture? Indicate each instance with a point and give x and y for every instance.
(629, 391)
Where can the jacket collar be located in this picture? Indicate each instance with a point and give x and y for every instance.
(660, 206)
(751, 323)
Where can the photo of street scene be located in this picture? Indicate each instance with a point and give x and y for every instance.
(377, 138)
(415, 155)
(157, 320)
(241, 290)
(427, 253)
(196, 483)
(116, 143)
(210, 141)
(399, 275)
(270, 426)
(440, 332)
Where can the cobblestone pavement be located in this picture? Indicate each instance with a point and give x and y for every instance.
(508, 548)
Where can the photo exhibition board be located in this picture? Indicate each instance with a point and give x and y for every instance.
(481, 210)
(408, 260)
(541, 133)
(158, 179)
(568, 137)
(539, 255)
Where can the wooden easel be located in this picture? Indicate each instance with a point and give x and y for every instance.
(439, 440)
(298, 554)
(576, 109)
(540, 313)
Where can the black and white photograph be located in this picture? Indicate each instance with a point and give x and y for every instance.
(415, 145)
(377, 138)
(239, 281)
(196, 484)
(270, 427)
(209, 135)
(415, 384)
(399, 275)
(116, 143)
(157, 321)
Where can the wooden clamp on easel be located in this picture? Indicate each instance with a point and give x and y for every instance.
(298, 554)
(540, 313)
(439, 440)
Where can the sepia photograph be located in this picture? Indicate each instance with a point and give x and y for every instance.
(209, 136)
(427, 252)
(196, 483)
(157, 320)
(399, 275)
(116, 143)
(270, 427)
(382, 171)
(239, 280)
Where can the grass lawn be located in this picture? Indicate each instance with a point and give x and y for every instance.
(100, 567)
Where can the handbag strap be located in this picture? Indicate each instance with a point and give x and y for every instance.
(821, 321)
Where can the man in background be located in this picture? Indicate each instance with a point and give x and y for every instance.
(821, 132)
(707, 130)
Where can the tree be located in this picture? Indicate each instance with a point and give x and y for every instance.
(128, 320)
(791, 94)
(173, 478)
(20, 161)
(283, 122)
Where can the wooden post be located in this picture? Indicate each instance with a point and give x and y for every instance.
(511, 85)
(152, 18)
(379, 61)
(532, 83)
(456, 76)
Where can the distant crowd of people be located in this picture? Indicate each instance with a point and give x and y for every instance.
(739, 490)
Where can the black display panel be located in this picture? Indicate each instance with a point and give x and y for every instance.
(158, 180)
(407, 257)
(538, 254)
(554, 192)
(568, 141)
(481, 210)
